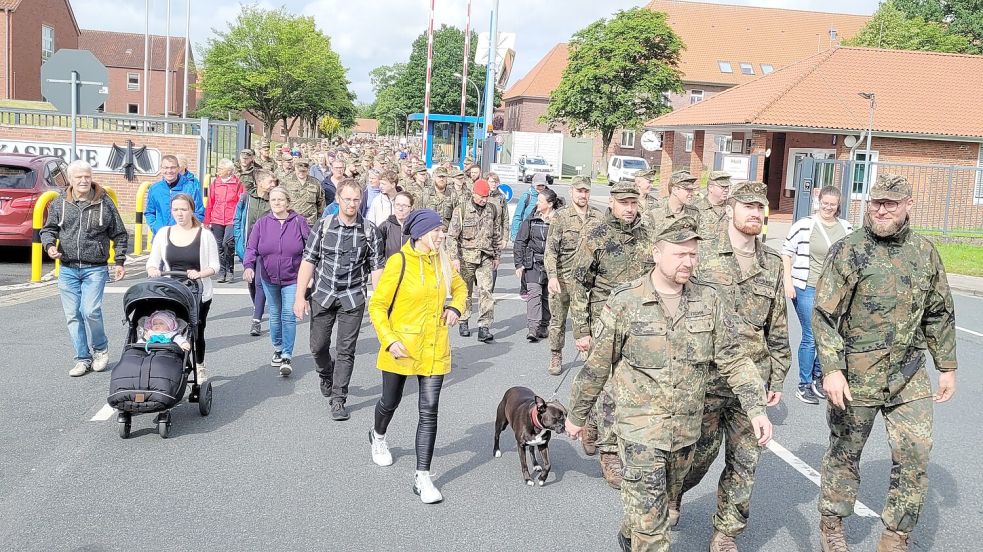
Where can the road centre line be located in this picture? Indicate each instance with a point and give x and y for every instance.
(971, 332)
(812, 475)
(105, 413)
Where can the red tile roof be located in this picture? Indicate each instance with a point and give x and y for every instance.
(916, 93)
(719, 32)
(125, 50)
(366, 126)
(9, 4)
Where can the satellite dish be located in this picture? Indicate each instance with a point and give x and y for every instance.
(850, 141)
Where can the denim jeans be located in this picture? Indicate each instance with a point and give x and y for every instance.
(283, 323)
(81, 292)
(808, 361)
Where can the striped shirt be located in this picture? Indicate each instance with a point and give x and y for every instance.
(344, 257)
(796, 247)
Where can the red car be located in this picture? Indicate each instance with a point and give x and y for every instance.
(23, 178)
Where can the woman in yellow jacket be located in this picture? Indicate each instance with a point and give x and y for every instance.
(417, 299)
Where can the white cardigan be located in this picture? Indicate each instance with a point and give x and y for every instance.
(208, 256)
(380, 209)
(797, 247)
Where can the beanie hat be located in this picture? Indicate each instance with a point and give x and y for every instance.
(421, 221)
(481, 187)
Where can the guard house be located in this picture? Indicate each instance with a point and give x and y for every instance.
(447, 136)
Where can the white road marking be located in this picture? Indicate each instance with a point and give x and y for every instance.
(971, 332)
(105, 413)
(812, 475)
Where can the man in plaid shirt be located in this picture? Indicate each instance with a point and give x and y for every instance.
(343, 251)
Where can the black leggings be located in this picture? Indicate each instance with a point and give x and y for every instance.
(200, 339)
(426, 429)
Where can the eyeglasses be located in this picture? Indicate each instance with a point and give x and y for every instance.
(402, 206)
(350, 200)
(889, 206)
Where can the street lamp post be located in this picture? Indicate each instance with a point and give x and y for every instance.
(477, 92)
(870, 130)
(393, 115)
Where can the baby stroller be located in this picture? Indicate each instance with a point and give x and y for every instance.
(152, 377)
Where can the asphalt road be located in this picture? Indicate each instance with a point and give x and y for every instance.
(270, 470)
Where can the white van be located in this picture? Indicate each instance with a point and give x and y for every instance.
(622, 167)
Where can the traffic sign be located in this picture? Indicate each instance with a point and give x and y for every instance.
(92, 80)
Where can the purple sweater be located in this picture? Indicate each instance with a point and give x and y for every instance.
(279, 247)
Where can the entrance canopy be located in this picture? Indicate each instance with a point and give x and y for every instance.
(447, 136)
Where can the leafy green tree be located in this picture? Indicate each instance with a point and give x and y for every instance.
(277, 67)
(893, 29)
(617, 75)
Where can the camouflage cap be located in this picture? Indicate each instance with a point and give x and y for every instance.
(286, 156)
(421, 169)
(247, 151)
(455, 173)
(580, 183)
(891, 187)
(681, 229)
(648, 174)
(440, 172)
(683, 179)
(625, 189)
(750, 192)
(301, 162)
(720, 178)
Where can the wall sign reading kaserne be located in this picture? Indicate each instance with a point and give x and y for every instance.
(95, 155)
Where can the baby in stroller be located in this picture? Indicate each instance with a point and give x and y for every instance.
(162, 326)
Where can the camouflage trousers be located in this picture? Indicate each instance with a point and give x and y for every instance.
(724, 420)
(559, 310)
(480, 273)
(909, 433)
(650, 474)
(602, 415)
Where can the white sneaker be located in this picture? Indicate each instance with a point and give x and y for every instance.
(100, 359)
(200, 374)
(380, 450)
(423, 486)
(80, 368)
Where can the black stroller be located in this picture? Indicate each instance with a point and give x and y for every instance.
(153, 377)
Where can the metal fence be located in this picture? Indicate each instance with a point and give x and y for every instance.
(948, 198)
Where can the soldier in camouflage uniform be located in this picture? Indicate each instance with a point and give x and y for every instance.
(681, 187)
(612, 253)
(459, 182)
(285, 167)
(712, 209)
(497, 197)
(748, 277)
(419, 185)
(440, 197)
(405, 175)
(569, 225)
(648, 198)
(306, 193)
(881, 300)
(245, 169)
(658, 337)
(475, 247)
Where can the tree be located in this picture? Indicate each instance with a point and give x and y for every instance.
(617, 75)
(893, 29)
(277, 67)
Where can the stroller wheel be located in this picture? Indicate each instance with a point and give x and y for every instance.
(205, 399)
(124, 424)
(163, 421)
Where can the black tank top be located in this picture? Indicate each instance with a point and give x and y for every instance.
(186, 257)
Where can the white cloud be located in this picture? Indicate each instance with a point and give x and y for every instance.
(370, 33)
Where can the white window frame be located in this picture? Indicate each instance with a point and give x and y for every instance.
(873, 172)
(747, 65)
(695, 96)
(770, 70)
(128, 106)
(978, 191)
(628, 144)
(818, 153)
(130, 85)
(47, 47)
(689, 140)
(723, 142)
(721, 63)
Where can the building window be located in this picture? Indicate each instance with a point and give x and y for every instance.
(47, 42)
(860, 170)
(695, 96)
(133, 109)
(723, 143)
(689, 142)
(628, 139)
(747, 69)
(725, 67)
(767, 68)
(978, 190)
(133, 81)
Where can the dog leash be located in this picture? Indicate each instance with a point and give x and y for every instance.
(557, 390)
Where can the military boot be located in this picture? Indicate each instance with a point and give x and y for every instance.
(722, 543)
(674, 507)
(893, 541)
(611, 468)
(463, 329)
(831, 537)
(484, 335)
(588, 439)
(556, 363)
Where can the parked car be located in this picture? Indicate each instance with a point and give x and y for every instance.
(532, 164)
(622, 167)
(23, 178)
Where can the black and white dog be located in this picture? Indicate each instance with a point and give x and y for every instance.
(533, 420)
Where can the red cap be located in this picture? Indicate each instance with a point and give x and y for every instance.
(481, 187)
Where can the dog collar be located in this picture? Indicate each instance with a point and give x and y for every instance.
(534, 414)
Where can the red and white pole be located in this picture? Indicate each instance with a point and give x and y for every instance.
(467, 54)
(426, 93)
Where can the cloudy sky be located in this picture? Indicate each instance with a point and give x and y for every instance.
(369, 33)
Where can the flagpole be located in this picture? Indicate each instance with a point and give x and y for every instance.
(146, 61)
(167, 61)
(187, 54)
(467, 54)
(426, 93)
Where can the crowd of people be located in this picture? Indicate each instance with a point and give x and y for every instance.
(675, 301)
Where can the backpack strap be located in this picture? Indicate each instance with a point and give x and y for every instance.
(402, 272)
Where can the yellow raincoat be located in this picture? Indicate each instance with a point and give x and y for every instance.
(417, 311)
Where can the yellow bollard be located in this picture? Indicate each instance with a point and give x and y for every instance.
(141, 204)
(37, 254)
(112, 247)
(764, 227)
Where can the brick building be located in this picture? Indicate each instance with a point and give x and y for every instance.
(813, 109)
(122, 54)
(30, 32)
(365, 128)
(725, 46)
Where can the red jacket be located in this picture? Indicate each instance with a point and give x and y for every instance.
(222, 200)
